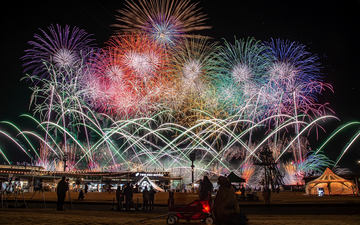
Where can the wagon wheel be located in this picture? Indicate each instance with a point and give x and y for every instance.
(172, 219)
(209, 220)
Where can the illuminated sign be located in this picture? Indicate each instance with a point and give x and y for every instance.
(149, 174)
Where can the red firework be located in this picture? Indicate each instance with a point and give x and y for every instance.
(128, 75)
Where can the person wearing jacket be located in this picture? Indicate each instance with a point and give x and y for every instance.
(225, 206)
(61, 190)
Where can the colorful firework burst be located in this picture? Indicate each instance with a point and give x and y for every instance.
(113, 99)
(127, 76)
(241, 71)
(63, 47)
(166, 21)
(294, 82)
(191, 64)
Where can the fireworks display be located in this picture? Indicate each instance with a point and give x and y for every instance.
(63, 47)
(157, 91)
(165, 21)
(127, 75)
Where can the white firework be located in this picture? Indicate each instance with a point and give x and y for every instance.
(282, 71)
(190, 75)
(143, 64)
(115, 73)
(241, 73)
(64, 58)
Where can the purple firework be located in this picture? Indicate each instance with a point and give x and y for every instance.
(294, 79)
(60, 47)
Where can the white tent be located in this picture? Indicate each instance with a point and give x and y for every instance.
(155, 186)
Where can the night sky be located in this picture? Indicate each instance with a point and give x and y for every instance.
(328, 29)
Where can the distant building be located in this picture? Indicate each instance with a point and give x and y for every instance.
(29, 178)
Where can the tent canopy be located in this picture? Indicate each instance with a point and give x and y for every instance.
(155, 186)
(233, 178)
(213, 179)
(332, 184)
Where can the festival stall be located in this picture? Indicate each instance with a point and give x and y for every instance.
(331, 184)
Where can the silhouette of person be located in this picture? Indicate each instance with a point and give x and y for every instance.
(206, 188)
(151, 198)
(242, 189)
(119, 198)
(81, 195)
(225, 206)
(146, 198)
(128, 192)
(86, 188)
(171, 200)
(61, 190)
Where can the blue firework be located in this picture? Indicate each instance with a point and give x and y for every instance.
(62, 47)
(295, 54)
(294, 79)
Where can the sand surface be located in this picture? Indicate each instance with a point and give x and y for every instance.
(50, 216)
(256, 213)
(161, 198)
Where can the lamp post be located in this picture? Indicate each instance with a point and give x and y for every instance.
(192, 174)
(65, 158)
(192, 158)
(357, 179)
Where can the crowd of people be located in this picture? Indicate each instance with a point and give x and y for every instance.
(225, 208)
(124, 198)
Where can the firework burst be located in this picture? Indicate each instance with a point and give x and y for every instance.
(241, 71)
(157, 91)
(63, 47)
(294, 80)
(166, 21)
(127, 76)
(191, 64)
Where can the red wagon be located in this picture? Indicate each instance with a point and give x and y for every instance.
(197, 210)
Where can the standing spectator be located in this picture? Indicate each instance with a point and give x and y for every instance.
(226, 209)
(86, 188)
(77, 183)
(108, 188)
(81, 195)
(242, 190)
(41, 188)
(171, 201)
(151, 198)
(128, 192)
(119, 198)
(146, 197)
(61, 190)
(206, 189)
(131, 195)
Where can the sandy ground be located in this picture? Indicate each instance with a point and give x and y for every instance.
(50, 216)
(160, 198)
(299, 209)
(185, 198)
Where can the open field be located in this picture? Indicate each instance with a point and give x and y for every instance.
(286, 208)
(184, 198)
(50, 216)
